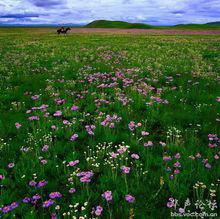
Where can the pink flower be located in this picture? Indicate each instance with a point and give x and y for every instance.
(143, 133)
(176, 171)
(148, 144)
(57, 114)
(114, 155)
(66, 122)
(18, 125)
(98, 210)
(35, 97)
(177, 164)
(125, 169)
(11, 165)
(216, 157)
(163, 144)
(181, 210)
(107, 195)
(53, 127)
(171, 203)
(73, 163)
(135, 156)
(121, 150)
(74, 108)
(132, 125)
(43, 161)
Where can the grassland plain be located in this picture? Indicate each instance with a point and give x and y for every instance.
(108, 125)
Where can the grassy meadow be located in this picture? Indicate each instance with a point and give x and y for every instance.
(117, 126)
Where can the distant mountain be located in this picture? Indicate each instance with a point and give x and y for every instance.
(216, 23)
(117, 24)
(40, 25)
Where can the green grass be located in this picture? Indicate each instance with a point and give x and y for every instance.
(183, 70)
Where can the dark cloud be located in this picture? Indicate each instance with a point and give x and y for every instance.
(28, 15)
(47, 3)
(178, 12)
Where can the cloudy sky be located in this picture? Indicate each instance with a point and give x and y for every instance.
(155, 12)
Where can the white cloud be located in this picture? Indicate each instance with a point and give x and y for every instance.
(83, 11)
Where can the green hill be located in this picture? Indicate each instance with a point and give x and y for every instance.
(214, 23)
(197, 26)
(117, 24)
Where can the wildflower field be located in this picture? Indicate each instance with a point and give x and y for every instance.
(117, 126)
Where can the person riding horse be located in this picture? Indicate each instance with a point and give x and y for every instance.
(63, 30)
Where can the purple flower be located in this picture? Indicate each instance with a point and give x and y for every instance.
(32, 183)
(107, 195)
(26, 200)
(42, 183)
(167, 158)
(53, 216)
(90, 129)
(177, 156)
(45, 148)
(48, 203)
(74, 137)
(9, 208)
(208, 165)
(13, 205)
(6, 209)
(130, 198)
(33, 118)
(55, 195)
(177, 164)
(36, 197)
(72, 190)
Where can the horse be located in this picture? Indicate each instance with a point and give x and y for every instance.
(63, 30)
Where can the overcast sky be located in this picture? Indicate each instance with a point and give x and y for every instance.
(156, 12)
